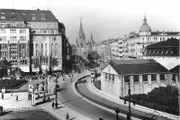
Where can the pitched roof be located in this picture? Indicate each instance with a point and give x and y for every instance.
(37, 15)
(175, 69)
(159, 33)
(128, 67)
(10, 15)
(169, 43)
(27, 15)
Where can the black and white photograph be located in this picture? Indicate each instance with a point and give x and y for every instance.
(89, 60)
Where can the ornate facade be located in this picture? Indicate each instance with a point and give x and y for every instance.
(31, 36)
(84, 46)
(134, 44)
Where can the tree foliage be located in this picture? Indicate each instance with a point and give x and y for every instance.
(162, 98)
(93, 56)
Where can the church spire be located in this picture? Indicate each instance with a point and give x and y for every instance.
(81, 32)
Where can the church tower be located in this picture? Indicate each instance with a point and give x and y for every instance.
(82, 38)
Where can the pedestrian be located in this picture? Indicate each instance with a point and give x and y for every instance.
(11, 93)
(2, 95)
(16, 98)
(100, 118)
(53, 105)
(67, 116)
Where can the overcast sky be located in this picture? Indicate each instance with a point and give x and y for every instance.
(106, 18)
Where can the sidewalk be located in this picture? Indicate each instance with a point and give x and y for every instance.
(61, 112)
(10, 104)
(114, 99)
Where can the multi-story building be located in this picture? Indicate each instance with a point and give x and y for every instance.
(14, 45)
(134, 44)
(114, 50)
(165, 52)
(31, 36)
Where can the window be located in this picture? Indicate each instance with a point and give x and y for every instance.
(162, 77)
(12, 12)
(3, 17)
(42, 14)
(52, 32)
(43, 18)
(109, 76)
(145, 78)
(13, 18)
(12, 30)
(45, 31)
(2, 38)
(113, 77)
(2, 30)
(33, 13)
(153, 77)
(22, 31)
(3, 13)
(126, 79)
(36, 45)
(23, 13)
(45, 46)
(106, 76)
(34, 18)
(22, 38)
(13, 38)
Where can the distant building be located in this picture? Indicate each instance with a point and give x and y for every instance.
(83, 45)
(166, 52)
(28, 37)
(114, 50)
(143, 76)
(134, 44)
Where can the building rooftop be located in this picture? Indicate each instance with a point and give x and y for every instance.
(173, 42)
(27, 15)
(175, 69)
(129, 67)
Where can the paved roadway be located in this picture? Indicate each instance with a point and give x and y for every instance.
(77, 103)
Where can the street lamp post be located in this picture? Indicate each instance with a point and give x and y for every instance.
(117, 112)
(129, 92)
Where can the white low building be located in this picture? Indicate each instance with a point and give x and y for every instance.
(143, 76)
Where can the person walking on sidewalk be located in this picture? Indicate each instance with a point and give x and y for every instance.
(11, 93)
(53, 105)
(67, 116)
(2, 96)
(16, 98)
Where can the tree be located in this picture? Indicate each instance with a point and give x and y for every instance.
(5, 65)
(93, 56)
(53, 63)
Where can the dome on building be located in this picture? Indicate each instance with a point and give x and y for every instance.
(145, 27)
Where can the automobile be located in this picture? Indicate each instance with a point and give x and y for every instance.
(92, 74)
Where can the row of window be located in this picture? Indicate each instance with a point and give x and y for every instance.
(13, 38)
(109, 76)
(136, 77)
(12, 31)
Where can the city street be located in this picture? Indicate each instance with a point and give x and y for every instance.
(74, 101)
(69, 97)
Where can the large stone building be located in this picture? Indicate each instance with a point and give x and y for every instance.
(83, 45)
(31, 36)
(165, 52)
(143, 76)
(134, 44)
